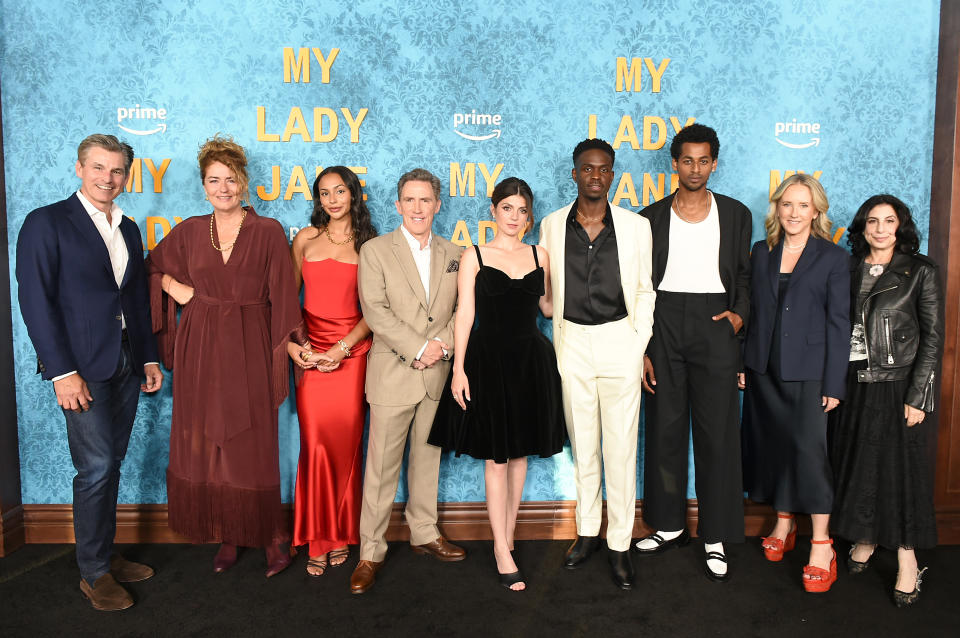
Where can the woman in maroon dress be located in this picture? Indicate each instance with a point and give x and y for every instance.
(230, 272)
(330, 402)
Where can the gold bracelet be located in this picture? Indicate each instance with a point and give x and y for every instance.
(343, 346)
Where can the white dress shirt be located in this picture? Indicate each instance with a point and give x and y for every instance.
(421, 257)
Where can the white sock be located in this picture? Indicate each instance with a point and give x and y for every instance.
(649, 543)
(716, 566)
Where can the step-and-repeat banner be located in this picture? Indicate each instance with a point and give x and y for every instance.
(473, 92)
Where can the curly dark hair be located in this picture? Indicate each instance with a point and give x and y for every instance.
(594, 143)
(363, 229)
(695, 134)
(908, 238)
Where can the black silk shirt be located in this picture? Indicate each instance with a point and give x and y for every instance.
(593, 293)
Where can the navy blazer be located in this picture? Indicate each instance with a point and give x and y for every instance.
(70, 300)
(815, 327)
(736, 226)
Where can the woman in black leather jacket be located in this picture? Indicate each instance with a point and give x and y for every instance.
(882, 438)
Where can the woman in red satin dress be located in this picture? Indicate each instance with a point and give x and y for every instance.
(332, 357)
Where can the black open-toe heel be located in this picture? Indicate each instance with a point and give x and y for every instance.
(511, 579)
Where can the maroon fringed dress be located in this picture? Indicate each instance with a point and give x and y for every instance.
(230, 374)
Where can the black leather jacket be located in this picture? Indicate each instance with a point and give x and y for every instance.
(903, 321)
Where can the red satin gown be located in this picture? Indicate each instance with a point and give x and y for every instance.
(331, 408)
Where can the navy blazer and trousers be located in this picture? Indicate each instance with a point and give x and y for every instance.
(695, 361)
(72, 305)
(785, 460)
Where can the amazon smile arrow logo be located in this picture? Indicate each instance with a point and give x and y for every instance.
(798, 128)
(496, 133)
(813, 142)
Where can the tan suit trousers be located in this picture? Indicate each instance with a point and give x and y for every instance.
(389, 426)
(600, 368)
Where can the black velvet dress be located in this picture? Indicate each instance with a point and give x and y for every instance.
(516, 408)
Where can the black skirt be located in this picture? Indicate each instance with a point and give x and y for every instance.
(883, 469)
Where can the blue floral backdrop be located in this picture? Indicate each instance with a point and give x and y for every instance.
(842, 88)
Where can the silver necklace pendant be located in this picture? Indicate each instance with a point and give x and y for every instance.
(876, 270)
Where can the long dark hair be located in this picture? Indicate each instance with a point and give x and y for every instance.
(908, 238)
(363, 229)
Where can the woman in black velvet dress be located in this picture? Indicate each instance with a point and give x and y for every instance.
(882, 438)
(503, 402)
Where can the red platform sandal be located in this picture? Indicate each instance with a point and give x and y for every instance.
(817, 580)
(774, 548)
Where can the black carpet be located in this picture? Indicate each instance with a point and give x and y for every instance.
(419, 596)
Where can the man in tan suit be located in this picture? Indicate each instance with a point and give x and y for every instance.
(602, 319)
(408, 292)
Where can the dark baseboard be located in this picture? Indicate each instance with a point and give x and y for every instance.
(12, 530)
(537, 520)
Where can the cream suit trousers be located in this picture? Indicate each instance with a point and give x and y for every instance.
(600, 368)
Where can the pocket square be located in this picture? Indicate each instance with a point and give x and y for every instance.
(453, 266)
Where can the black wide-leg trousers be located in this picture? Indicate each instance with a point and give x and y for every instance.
(695, 362)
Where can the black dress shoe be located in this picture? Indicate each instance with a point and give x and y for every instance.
(580, 551)
(662, 545)
(621, 569)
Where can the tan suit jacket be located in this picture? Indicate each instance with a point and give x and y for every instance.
(397, 311)
(634, 250)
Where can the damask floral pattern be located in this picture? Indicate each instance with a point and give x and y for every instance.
(864, 71)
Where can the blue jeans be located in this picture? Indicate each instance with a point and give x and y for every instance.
(98, 442)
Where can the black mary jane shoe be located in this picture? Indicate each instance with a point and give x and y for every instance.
(662, 545)
(580, 551)
(621, 569)
(856, 566)
(712, 575)
(907, 598)
(511, 579)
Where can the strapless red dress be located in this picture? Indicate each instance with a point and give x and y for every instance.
(331, 409)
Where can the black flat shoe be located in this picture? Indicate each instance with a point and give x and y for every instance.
(712, 575)
(905, 599)
(508, 580)
(662, 545)
(621, 569)
(580, 551)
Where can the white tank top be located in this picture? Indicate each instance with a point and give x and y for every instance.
(693, 261)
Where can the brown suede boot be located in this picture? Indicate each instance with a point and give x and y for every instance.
(126, 571)
(106, 594)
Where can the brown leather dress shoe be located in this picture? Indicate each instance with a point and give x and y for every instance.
(106, 594)
(364, 575)
(441, 549)
(127, 571)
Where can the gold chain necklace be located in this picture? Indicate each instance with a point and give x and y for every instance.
(348, 238)
(591, 220)
(230, 245)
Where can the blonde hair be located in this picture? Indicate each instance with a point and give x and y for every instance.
(821, 224)
(222, 148)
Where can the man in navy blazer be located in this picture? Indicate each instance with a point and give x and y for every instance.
(83, 297)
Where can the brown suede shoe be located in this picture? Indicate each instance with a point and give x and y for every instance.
(364, 575)
(441, 549)
(106, 594)
(126, 571)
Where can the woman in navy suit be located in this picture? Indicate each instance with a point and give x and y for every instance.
(795, 357)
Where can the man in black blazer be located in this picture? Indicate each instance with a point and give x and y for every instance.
(83, 296)
(701, 271)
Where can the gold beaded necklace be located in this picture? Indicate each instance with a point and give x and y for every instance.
(346, 240)
(225, 247)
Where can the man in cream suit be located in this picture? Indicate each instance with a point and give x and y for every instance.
(603, 303)
(408, 292)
